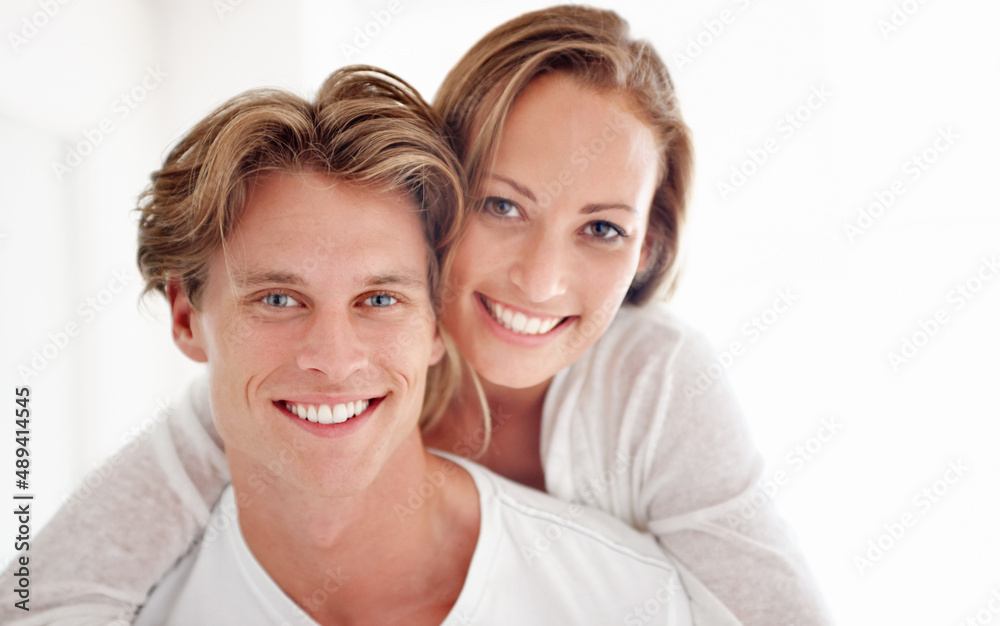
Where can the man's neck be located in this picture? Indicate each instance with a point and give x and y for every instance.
(397, 552)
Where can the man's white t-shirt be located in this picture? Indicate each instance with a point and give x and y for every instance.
(538, 560)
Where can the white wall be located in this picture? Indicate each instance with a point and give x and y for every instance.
(856, 297)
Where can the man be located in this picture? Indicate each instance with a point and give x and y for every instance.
(298, 245)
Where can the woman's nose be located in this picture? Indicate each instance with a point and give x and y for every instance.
(540, 269)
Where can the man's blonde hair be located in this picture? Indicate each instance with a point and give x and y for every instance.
(366, 127)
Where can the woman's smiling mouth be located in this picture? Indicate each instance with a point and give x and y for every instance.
(517, 321)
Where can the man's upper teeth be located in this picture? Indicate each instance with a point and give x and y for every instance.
(521, 323)
(323, 414)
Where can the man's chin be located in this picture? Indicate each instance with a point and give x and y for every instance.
(343, 481)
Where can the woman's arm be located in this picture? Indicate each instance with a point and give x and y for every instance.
(706, 508)
(128, 524)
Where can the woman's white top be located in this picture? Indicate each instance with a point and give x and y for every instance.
(631, 428)
(538, 561)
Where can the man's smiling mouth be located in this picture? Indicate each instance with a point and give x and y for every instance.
(329, 413)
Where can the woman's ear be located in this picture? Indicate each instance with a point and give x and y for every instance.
(647, 246)
(438, 348)
(185, 323)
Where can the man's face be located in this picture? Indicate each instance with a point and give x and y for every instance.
(317, 305)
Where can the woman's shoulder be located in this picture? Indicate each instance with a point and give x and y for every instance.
(650, 336)
(647, 360)
(631, 410)
(651, 368)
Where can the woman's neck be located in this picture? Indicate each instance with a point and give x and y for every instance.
(516, 428)
(505, 402)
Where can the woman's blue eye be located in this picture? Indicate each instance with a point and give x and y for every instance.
(380, 300)
(281, 300)
(502, 207)
(603, 230)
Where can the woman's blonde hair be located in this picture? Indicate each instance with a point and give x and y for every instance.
(595, 48)
(366, 127)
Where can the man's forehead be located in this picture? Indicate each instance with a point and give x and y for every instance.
(310, 229)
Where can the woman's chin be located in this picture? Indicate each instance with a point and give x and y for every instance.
(521, 375)
(503, 358)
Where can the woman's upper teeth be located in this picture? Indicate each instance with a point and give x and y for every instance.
(521, 323)
(324, 414)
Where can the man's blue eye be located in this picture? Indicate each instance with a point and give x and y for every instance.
(381, 300)
(279, 300)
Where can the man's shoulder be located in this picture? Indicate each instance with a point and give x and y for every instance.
(542, 560)
(534, 517)
(220, 581)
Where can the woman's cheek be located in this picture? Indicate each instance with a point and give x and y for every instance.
(609, 279)
(479, 250)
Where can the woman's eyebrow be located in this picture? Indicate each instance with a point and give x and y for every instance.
(521, 189)
(587, 209)
(594, 208)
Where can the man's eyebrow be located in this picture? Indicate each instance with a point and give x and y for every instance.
(403, 279)
(251, 279)
(521, 189)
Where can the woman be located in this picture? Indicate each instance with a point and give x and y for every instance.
(573, 144)
(571, 137)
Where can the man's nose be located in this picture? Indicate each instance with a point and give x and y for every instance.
(332, 346)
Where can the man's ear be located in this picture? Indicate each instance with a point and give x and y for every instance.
(185, 323)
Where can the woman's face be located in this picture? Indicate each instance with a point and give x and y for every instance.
(546, 263)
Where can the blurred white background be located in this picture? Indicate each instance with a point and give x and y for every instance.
(94, 93)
